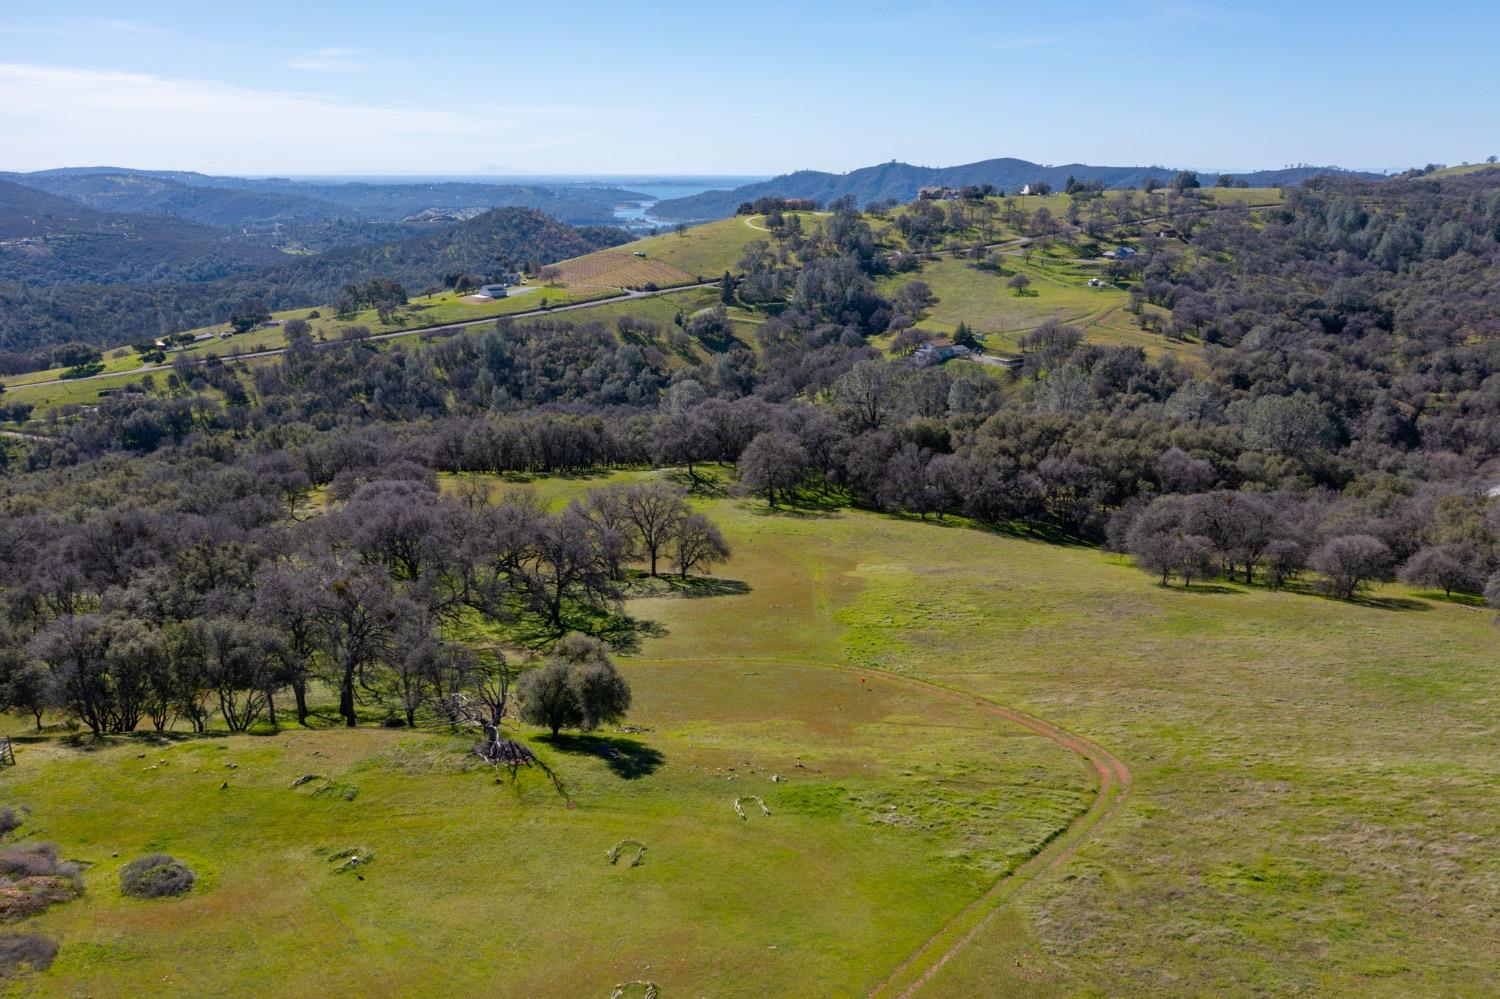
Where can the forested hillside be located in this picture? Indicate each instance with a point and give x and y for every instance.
(46, 240)
(144, 193)
(492, 243)
(1348, 350)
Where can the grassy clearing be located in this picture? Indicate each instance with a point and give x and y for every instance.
(1311, 813)
(893, 808)
(981, 298)
(1059, 290)
(1461, 170)
(619, 269)
(705, 252)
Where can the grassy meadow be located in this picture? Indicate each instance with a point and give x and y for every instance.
(1059, 291)
(1312, 803)
(702, 252)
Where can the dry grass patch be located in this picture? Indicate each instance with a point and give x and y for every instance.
(619, 270)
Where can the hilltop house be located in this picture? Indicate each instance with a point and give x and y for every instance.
(937, 352)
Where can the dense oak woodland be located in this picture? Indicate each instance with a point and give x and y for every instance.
(1346, 419)
(162, 296)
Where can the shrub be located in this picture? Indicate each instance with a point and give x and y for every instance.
(33, 879)
(25, 950)
(10, 820)
(156, 875)
(32, 860)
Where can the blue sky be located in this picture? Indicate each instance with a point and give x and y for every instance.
(327, 86)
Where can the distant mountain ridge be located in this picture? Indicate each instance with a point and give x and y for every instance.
(242, 201)
(145, 193)
(901, 181)
(50, 240)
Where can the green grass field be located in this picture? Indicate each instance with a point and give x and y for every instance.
(1059, 290)
(1311, 811)
(1466, 168)
(705, 251)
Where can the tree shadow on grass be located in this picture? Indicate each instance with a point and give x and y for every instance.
(801, 508)
(557, 782)
(708, 483)
(690, 586)
(626, 758)
(707, 586)
(1461, 599)
(621, 632)
(1392, 603)
(1020, 531)
(1206, 588)
(1308, 588)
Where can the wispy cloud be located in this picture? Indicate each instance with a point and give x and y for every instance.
(330, 60)
(128, 27)
(55, 116)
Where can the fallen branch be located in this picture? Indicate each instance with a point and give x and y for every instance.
(740, 811)
(614, 852)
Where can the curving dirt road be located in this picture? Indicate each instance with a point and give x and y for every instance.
(1113, 780)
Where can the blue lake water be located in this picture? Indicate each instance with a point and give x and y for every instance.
(634, 215)
(637, 215)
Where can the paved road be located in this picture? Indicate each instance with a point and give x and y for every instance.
(417, 331)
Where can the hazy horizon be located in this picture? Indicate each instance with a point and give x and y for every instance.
(465, 89)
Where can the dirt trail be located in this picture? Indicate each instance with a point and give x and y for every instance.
(1113, 778)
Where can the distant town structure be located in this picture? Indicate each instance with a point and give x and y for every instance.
(936, 194)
